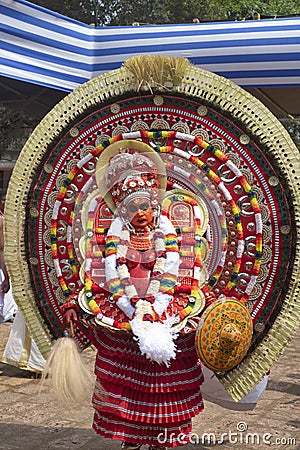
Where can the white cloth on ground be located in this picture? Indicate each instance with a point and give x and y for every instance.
(10, 307)
(213, 391)
(21, 350)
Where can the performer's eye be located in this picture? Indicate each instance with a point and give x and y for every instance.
(132, 208)
(144, 206)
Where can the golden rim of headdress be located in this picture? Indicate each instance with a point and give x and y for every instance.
(192, 82)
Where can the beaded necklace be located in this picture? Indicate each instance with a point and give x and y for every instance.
(156, 274)
(141, 241)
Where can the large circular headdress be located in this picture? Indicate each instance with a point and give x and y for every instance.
(216, 141)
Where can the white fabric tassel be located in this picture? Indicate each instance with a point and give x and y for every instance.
(156, 340)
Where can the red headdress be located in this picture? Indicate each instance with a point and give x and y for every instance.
(131, 174)
(128, 169)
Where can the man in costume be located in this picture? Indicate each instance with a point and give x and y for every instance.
(148, 379)
(236, 162)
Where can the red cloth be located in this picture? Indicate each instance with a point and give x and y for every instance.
(137, 400)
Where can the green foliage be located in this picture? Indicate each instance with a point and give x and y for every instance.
(15, 128)
(216, 10)
(127, 12)
(81, 10)
(293, 127)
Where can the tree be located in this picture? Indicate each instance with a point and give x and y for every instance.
(16, 127)
(293, 127)
(81, 10)
(127, 12)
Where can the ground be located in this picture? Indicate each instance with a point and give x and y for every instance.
(30, 419)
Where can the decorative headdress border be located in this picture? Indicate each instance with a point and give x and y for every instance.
(192, 82)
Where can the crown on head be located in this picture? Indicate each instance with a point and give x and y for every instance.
(129, 172)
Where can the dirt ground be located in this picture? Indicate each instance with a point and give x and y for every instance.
(33, 420)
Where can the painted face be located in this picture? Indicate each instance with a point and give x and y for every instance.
(140, 212)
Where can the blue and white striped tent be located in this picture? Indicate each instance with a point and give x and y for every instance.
(46, 48)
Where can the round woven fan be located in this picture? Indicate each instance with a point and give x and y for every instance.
(216, 141)
(224, 335)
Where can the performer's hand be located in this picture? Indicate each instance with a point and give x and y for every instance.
(70, 316)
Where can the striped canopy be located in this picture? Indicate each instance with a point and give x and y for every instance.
(45, 48)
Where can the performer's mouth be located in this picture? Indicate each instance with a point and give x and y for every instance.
(142, 220)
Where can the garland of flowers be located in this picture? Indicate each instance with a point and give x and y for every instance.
(163, 276)
(122, 290)
(170, 135)
(235, 209)
(194, 293)
(88, 260)
(220, 156)
(162, 280)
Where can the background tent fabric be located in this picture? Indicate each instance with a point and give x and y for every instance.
(43, 47)
(45, 55)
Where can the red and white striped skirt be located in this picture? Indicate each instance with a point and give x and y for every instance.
(142, 402)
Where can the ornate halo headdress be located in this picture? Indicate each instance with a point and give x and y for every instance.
(216, 140)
